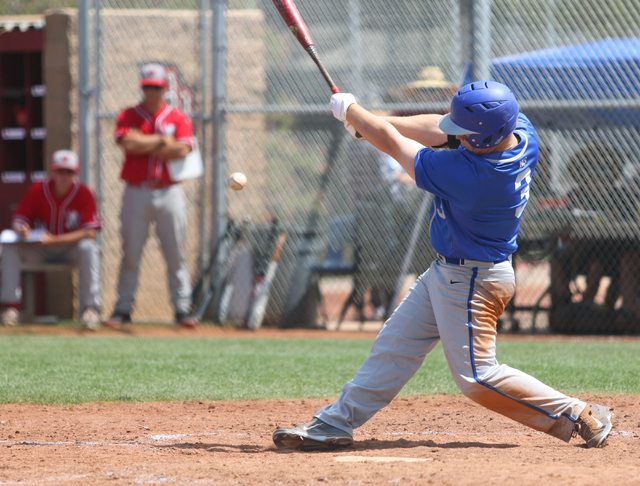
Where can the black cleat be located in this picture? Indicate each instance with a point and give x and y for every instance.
(312, 436)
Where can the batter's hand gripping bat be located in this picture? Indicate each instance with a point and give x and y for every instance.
(259, 305)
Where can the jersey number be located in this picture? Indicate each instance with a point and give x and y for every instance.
(524, 178)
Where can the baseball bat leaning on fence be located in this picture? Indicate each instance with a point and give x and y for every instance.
(415, 234)
(263, 288)
(238, 283)
(303, 278)
(206, 275)
(228, 251)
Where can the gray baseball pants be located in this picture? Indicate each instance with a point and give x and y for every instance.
(460, 306)
(85, 254)
(167, 207)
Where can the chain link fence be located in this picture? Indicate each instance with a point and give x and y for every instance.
(357, 233)
(574, 67)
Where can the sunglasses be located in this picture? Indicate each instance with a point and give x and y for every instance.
(153, 88)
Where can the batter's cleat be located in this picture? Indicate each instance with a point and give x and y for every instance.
(313, 436)
(117, 319)
(90, 319)
(185, 320)
(594, 425)
(10, 316)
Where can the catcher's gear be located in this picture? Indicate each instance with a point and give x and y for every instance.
(485, 110)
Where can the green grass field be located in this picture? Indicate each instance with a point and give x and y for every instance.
(70, 370)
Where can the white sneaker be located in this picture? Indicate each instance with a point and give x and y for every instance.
(594, 425)
(10, 316)
(91, 319)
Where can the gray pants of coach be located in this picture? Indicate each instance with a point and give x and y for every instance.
(167, 208)
(85, 254)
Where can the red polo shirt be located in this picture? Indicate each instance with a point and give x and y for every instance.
(41, 208)
(167, 121)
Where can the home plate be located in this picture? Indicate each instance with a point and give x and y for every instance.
(380, 459)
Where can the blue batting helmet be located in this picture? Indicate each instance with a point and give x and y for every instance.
(485, 110)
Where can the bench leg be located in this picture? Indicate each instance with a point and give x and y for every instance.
(345, 308)
(29, 292)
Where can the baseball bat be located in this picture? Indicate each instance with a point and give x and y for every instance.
(259, 307)
(229, 252)
(293, 19)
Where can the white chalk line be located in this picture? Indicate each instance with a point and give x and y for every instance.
(380, 459)
(152, 439)
(45, 480)
(159, 438)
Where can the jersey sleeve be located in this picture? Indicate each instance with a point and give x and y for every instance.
(184, 130)
(26, 210)
(123, 123)
(90, 217)
(447, 174)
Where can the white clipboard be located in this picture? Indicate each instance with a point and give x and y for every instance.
(188, 167)
(9, 236)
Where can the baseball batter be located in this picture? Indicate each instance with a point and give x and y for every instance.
(480, 193)
(152, 134)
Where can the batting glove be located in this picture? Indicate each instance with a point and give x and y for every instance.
(340, 103)
(352, 131)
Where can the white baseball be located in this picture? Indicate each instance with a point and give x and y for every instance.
(237, 181)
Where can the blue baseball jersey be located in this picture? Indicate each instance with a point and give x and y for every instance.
(479, 199)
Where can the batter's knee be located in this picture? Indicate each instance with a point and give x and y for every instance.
(469, 387)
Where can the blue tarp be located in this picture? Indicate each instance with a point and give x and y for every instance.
(593, 85)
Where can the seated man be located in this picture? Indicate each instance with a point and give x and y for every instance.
(64, 212)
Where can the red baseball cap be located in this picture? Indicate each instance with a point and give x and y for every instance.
(153, 75)
(64, 159)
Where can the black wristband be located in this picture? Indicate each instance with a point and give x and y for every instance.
(452, 143)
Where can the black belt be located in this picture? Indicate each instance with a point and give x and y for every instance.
(462, 261)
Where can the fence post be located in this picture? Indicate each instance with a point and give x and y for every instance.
(218, 200)
(84, 93)
(481, 49)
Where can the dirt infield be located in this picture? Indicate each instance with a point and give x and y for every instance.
(442, 439)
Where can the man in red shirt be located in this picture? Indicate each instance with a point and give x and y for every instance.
(56, 221)
(152, 134)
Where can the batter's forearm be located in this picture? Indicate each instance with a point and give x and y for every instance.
(172, 151)
(421, 128)
(384, 137)
(140, 144)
